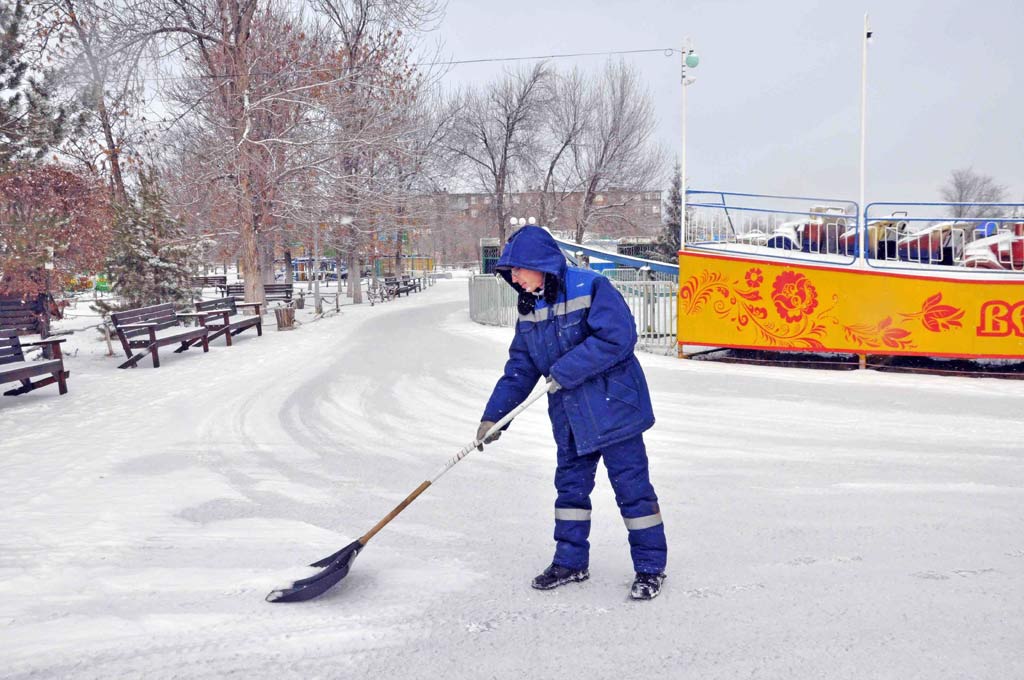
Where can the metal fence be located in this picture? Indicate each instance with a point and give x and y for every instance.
(969, 238)
(492, 301)
(790, 227)
(653, 304)
(637, 275)
(983, 237)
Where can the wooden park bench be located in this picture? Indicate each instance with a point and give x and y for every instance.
(27, 316)
(414, 284)
(221, 317)
(396, 286)
(218, 282)
(149, 328)
(272, 291)
(14, 367)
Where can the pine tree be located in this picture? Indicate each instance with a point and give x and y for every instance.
(152, 256)
(668, 241)
(30, 124)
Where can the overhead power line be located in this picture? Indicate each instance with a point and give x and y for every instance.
(665, 51)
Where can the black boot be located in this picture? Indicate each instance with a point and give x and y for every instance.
(646, 586)
(556, 575)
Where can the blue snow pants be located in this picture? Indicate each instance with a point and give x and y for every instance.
(626, 462)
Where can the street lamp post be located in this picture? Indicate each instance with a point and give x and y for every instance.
(690, 59)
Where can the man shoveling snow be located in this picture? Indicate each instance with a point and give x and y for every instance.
(576, 330)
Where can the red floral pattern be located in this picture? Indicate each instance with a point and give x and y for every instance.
(882, 333)
(937, 317)
(794, 296)
(736, 300)
(803, 320)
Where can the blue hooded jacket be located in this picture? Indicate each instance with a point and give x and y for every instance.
(579, 331)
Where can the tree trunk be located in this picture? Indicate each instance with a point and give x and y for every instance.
(249, 260)
(289, 272)
(354, 277)
(585, 211)
(237, 106)
(352, 274)
(267, 263)
(98, 70)
(113, 153)
(398, 253)
(499, 204)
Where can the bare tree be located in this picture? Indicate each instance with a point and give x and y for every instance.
(497, 133)
(101, 65)
(215, 38)
(568, 115)
(372, 175)
(967, 186)
(616, 150)
(255, 112)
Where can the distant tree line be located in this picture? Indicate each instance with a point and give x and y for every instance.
(145, 139)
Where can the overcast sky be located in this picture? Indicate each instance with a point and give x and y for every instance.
(776, 105)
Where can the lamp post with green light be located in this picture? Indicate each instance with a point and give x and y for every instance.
(690, 59)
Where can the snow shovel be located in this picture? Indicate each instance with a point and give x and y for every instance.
(336, 566)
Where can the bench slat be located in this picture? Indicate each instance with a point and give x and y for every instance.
(130, 315)
(9, 357)
(272, 291)
(169, 339)
(10, 348)
(162, 315)
(26, 369)
(26, 316)
(228, 304)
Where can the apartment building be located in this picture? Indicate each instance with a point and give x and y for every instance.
(449, 225)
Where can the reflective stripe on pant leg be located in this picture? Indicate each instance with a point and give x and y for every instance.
(574, 480)
(572, 514)
(626, 462)
(646, 522)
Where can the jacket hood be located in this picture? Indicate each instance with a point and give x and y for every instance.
(532, 248)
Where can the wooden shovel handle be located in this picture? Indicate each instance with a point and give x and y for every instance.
(394, 513)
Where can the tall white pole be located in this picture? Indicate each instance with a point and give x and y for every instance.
(862, 237)
(682, 168)
(682, 155)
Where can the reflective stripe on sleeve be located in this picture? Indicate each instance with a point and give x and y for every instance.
(634, 523)
(572, 514)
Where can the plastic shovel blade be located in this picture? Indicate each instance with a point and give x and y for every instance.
(321, 582)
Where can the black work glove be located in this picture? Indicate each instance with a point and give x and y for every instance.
(482, 431)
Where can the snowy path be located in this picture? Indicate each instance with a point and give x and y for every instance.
(840, 525)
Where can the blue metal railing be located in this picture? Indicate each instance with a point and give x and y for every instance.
(773, 226)
(977, 237)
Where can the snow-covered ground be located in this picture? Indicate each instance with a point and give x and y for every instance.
(820, 524)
